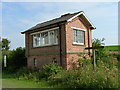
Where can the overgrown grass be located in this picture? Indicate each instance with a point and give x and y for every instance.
(104, 76)
(86, 77)
(113, 48)
(36, 75)
(53, 76)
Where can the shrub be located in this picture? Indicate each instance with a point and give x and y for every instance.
(101, 52)
(22, 72)
(84, 62)
(86, 77)
(36, 75)
(51, 69)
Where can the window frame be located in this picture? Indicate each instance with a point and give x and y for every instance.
(48, 31)
(78, 29)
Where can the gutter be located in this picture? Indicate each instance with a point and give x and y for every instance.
(88, 41)
(60, 45)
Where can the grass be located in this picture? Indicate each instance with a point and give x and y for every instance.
(9, 81)
(113, 48)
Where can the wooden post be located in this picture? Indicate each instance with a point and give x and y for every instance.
(94, 61)
(93, 51)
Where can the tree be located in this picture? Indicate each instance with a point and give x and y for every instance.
(5, 44)
(17, 58)
(98, 42)
(101, 52)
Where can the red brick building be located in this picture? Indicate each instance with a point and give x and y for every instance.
(59, 40)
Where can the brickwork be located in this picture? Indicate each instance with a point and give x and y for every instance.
(46, 54)
(70, 47)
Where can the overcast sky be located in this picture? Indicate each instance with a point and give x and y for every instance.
(18, 17)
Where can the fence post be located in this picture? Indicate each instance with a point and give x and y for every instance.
(94, 61)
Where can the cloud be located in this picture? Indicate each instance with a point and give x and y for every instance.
(103, 15)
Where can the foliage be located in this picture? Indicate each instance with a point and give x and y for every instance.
(86, 77)
(97, 42)
(84, 62)
(26, 73)
(105, 75)
(5, 44)
(51, 69)
(4, 47)
(101, 52)
(36, 75)
(15, 60)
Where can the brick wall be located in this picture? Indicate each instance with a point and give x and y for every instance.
(73, 49)
(45, 55)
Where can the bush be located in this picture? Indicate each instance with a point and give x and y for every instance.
(22, 71)
(29, 74)
(84, 62)
(51, 69)
(101, 52)
(86, 77)
(36, 75)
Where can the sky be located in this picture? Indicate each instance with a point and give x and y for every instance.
(20, 16)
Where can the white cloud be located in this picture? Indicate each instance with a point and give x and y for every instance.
(94, 11)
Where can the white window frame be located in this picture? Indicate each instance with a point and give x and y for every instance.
(48, 31)
(45, 30)
(75, 28)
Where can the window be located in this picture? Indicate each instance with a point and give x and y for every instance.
(78, 37)
(51, 37)
(56, 36)
(45, 38)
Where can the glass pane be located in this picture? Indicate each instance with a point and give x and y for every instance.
(37, 39)
(42, 39)
(46, 37)
(78, 36)
(51, 37)
(74, 35)
(82, 37)
(33, 40)
(56, 36)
